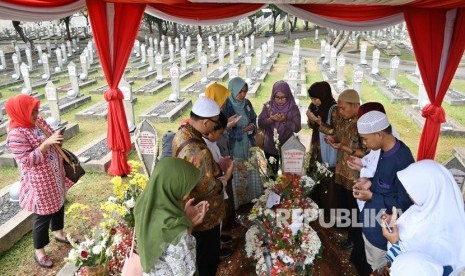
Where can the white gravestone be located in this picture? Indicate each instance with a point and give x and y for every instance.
(151, 59)
(423, 99)
(126, 89)
(183, 60)
(393, 72)
(341, 62)
(358, 80)
(29, 58)
(2, 60)
(46, 75)
(27, 81)
(83, 60)
(293, 155)
(171, 52)
(204, 69)
(333, 60)
(174, 75)
(258, 60)
(17, 74)
(363, 53)
(143, 54)
(220, 59)
(375, 63)
(233, 72)
(73, 78)
(52, 99)
(327, 53)
(59, 60)
(39, 53)
(159, 66)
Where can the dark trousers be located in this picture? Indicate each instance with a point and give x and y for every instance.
(348, 202)
(40, 227)
(208, 250)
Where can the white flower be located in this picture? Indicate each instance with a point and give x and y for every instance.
(97, 249)
(130, 203)
(272, 160)
(112, 199)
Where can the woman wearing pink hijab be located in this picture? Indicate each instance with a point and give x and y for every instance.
(282, 114)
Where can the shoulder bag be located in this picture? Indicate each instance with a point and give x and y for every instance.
(328, 153)
(71, 164)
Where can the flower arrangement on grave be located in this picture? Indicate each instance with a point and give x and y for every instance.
(261, 164)
(109, 243)
(281, 240)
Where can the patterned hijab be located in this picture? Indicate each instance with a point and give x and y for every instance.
(218, 93)
(322, 91)
(160, 218)
(283, 87)
(19, 109)
(235, 86)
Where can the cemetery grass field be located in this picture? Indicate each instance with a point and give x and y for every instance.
(94, 188)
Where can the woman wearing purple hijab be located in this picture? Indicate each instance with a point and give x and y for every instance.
(280, 113)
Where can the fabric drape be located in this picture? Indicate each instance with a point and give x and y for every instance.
(114, 39)
(438, 45)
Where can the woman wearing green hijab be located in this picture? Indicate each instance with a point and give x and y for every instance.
(162, 226)
(246, 183)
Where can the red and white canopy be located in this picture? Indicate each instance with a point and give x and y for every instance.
(436, 29)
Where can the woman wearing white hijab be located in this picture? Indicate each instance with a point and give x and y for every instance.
(415, 263)
(435, 224)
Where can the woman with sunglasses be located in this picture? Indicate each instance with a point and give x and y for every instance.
(282, 114)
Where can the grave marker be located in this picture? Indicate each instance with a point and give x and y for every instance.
(52, 100)
(59, 60)
(29, 58)
(293, 154)
(422, 94)
(258, 60)
(39, 53)
(159, 65)
(17, 74)
(375, 63)
(174, 75)
(233, 72)
(46, 75)
(183, 60)
(73, 80)
(143, 54)
(146, 146)
(393, 72)
(358, 80)
(83, 60)
(231, 54)
(341, 62)
(3, 64)
(64, 56)
(333, 60)
(27, 81)
(171, 52)
(151, 60)
(128, 100)
(363, 53)
(204, 69)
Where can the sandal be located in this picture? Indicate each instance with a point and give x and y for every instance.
(65, 240)
(44, 261)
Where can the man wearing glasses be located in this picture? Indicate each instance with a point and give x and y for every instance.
(189, 145)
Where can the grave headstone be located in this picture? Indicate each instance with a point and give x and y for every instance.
(183, 60)
(159, 66)
(327, 53)
(204, 69)
(363, 53)
(258, 60)
(171, 52)
(212, 49)
(293, 154)
(155, 45)
(59, 60)
(49, 48)
(137, 48)
(64, 56)
(83, 60)
(220, 59)
(233, 72)
(422, 94)
(73, 78)
(146, 137)
(151, 42)
(70, 49)
(358, 79)
(231, 54)
(248, 69)
(333, 60)
(246, 45)
(151, 60)
(46, 75)
(199, 52)
(17, 74)
(176, 45)
(316, 34)
(52, 100)
(252, 42)
(375, 63)
(162, 48)
(29, 58)
(174, 75)
(27, 81)
(188, 45)
(241, 48)
(143, 54)
(39, 53)
(18, 53)
(394, 71)
(341, 62)
(128, 101)
(264, 53)
(3, 65)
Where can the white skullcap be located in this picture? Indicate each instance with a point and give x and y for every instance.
(372, 122)
(206, 107)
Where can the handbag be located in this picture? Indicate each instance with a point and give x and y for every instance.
(260, 138)
(132, 266)
(71, 164)
(328, 153)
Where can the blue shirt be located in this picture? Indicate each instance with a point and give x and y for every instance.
(387, 192)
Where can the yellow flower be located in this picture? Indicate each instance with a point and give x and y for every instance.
(76, 208)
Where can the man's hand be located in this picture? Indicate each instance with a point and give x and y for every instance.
(354, 163)
(196, 213)
(391, 220)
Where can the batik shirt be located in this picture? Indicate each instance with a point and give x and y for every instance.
(347, 134)
(210, 187)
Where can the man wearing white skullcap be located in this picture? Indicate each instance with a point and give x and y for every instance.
(189, 145)
(383, 190)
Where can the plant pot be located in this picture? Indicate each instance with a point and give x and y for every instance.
(97, 270)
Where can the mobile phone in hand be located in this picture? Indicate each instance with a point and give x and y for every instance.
(389, 228)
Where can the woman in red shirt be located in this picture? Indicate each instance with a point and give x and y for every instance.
(43, 181)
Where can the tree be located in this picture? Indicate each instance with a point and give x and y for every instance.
(275, 11)
(252, 19)
(67, 20)
(19, 30)
(85, 13)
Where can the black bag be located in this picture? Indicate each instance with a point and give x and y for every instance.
(73, 169)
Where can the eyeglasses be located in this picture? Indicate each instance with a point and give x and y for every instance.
(280, 98)
(216, 122)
